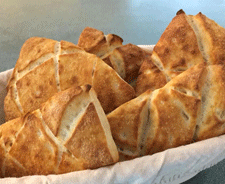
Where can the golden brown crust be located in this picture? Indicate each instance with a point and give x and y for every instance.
(189, 107)
(8, 134)
(90, 39)
(37, 86)
(188, 40)
(75, 69)
(212, 36)
(94, 41)
(212, 117)
(29, 147)
(174, 110)
(93, 149)
(52, 112)
(132, 57)
(12, 169)
(107, 61)
(127, 123)
(193, 80)
(112, 91)
(175, 127)
(11, 109)
(69, 47)
(33, 142)
(114, 41)
(62, 66)
(177, 48)
(69, 163)
(33, 49)
(150, 77)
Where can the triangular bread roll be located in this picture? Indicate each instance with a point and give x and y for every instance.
(179, 111)
(174, 110)
(70, 132)
(111, 89)
(191, 107)
(95, 42)
(57, 66)
(124, 59)
(177, 49)
(188, 40)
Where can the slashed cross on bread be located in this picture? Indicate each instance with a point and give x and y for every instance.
(69, 132)
(191, 107)
(188, 40)
(46, 67)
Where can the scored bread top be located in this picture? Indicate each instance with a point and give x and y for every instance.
(174, 111)
(29, 53)
(177, 48)
(128, 123)
(46, 74)
(188, 108)
(70, 132)
(124, 59)
(210, 37)
(188, 40)
(211, 120)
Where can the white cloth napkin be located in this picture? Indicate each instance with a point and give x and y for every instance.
(171, 166)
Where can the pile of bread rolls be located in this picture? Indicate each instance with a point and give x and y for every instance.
(74, 107)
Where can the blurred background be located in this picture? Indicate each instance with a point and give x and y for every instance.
(137, 22)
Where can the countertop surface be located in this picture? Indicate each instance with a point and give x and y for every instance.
(137, 22)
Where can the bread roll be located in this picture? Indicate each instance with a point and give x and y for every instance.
(188, 40)
(69, 132)
(46, 67)
(95, 42)
(124, 59)
(191, 107)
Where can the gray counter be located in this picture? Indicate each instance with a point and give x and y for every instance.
(137, 22)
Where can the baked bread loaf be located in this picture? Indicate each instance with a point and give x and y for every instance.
(95, 42)
(46, 67)
(124, 59)
(191, 107)
(188, 40)
(69, 132)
